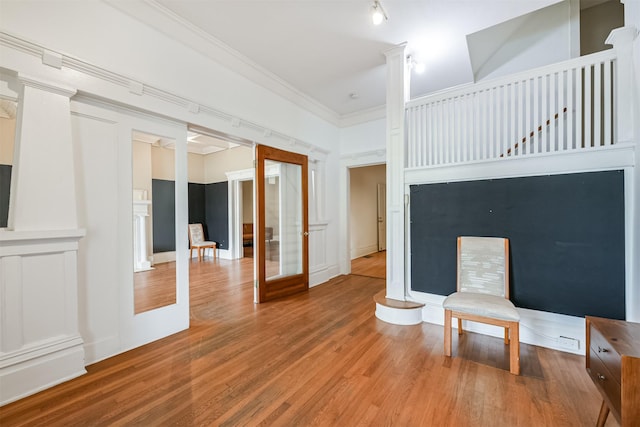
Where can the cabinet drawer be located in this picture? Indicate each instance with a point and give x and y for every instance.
(611, 359)
(604, 380)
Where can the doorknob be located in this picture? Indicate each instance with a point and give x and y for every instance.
(306, 233)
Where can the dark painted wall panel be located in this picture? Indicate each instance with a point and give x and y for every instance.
(217, 213)
(566, 235)
(164, 215)
(5, 188)
(208, 205)
(196, 203)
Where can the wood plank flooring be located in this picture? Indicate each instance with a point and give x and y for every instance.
(318, 358)
(372, 265)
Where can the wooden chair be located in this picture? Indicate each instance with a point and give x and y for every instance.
(196, 241)
(483, 292)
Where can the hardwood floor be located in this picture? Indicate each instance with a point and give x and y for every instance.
(372, 265)
(154, 288)
(318, 358)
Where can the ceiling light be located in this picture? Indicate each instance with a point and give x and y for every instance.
(377, 13)
(418, 67)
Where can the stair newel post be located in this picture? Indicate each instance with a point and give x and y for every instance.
(622, 40)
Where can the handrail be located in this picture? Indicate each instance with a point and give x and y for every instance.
(524, 138)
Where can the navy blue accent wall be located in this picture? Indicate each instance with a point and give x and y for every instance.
(164, 215)
(208, 205)
(197, 203)
(5, 188)
(217, 213)
(566, 238)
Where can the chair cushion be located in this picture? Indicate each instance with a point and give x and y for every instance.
(201, 244)
(482, 305)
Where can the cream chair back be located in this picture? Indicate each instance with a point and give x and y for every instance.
(483, 265)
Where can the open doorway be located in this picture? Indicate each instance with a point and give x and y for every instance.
(247, 218)
(367, 219)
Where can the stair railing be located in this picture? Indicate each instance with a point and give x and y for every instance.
(485, 120)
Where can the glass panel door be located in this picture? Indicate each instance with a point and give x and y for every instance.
(282, 224)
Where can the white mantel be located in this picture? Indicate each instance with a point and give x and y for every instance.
(140, 256)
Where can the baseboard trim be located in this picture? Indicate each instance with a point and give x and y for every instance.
(539, 328)
(29, 376)
(323, 274)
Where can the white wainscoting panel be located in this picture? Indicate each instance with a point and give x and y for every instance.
(40, 345)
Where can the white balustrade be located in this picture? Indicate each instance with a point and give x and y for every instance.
(565, 106)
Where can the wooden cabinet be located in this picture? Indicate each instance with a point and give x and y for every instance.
(613, 362)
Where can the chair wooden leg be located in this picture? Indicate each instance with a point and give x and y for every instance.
(602, 416)
(200, 254)
(460, 326)
(506, 335)
(447, 333)
(514, 348)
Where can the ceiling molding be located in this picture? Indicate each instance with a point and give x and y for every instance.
(161, 94)
(193, 37)
(359, 117)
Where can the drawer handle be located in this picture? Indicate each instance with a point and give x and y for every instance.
(600, 377)
(602, 350)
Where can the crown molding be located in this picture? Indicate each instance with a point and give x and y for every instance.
(363, 116)
(46, 86)
(143, 89)
(157, 16)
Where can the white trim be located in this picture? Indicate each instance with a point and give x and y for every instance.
(617, 156)
(38, 373)
(362, 251)
(405, 316)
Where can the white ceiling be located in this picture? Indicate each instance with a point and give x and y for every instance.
(327, 52)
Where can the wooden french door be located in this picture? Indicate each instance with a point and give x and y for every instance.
(282, 225)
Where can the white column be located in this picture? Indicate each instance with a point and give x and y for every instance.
(43, 186)
(40, 344)
(397, 95)
(627, 130)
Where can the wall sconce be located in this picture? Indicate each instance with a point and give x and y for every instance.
(377, 13)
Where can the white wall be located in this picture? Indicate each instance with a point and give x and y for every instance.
(195, 164)
(7, 136)
(539, 38)
(217, 164)
(363, 138)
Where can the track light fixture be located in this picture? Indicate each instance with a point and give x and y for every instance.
(377, 13)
